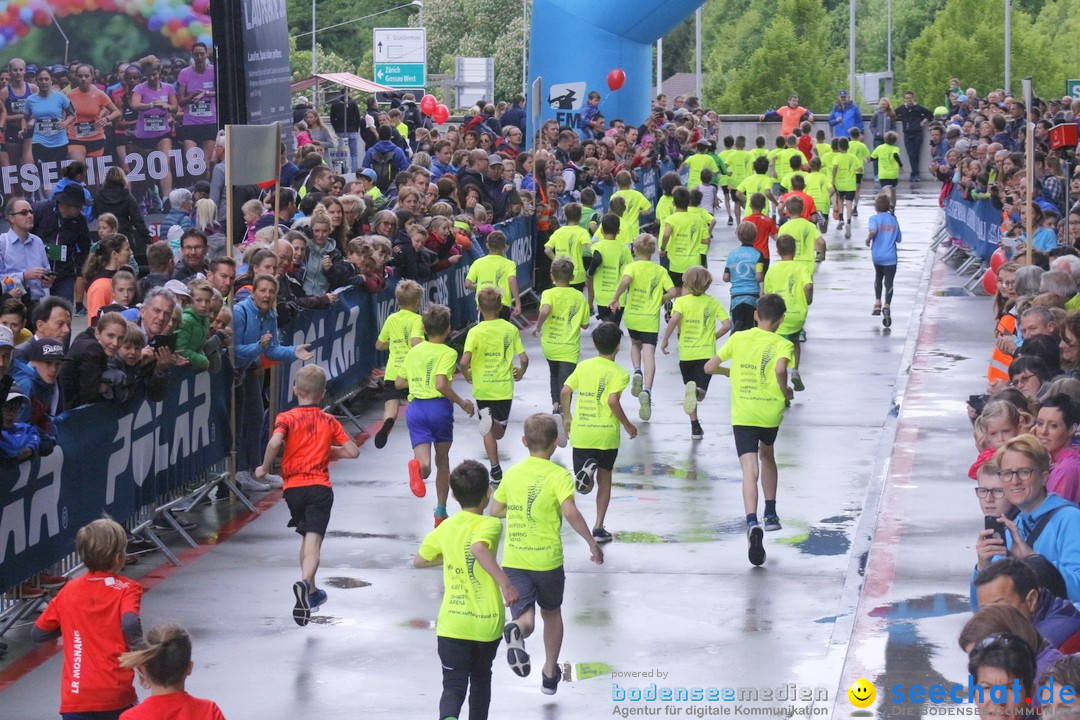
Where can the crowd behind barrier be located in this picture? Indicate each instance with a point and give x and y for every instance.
(973, 224)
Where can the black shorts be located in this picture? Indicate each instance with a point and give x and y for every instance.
(893, 182)
(676, 278)
(11, 134)
(645, 338)
(604, 314)
(845, 194)
(747, 438)
(44, 154)
(580, 287)
(728, 192)
(198, 133)
(94, 148)
(742, 317)
(605, 459)
(500, 409)
(389, 392)
(309, 507)
(858, 179)
(764, 265)
(695, 370)
(147, 144)
(536, 587)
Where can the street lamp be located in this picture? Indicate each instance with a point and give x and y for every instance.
(1008, 45)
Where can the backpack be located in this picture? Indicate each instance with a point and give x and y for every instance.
(411, 117)
(382, 162)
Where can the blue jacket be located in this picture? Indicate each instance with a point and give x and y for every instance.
(515, 116)
(843, 119)
(1060, 539)
(88, 209)
(249, 327)
(1056, 619)
(400, 161)
(438, 169)
(44, 398)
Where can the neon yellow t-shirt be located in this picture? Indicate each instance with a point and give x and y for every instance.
(697, 330)
(698, 162)
(648, 283)
(423, 364)
(636, 204)
(493, 271)
(823, 149)
(664, 207)
(858, 149)
(493, 344)
(560, 338)
(756, 397)
(888, 161)
(704, 218)
(846, 166)
(817, 187)
(398, 331)
(756, 153)
(570, 241)
(805, 233)
(684, 245)
(533, 492)
(403, 130)
(595, 426)
(740, 163)
(614, 257)
(783, 162)
(472, 606)
(776, 160)
(725, 158)
(789, 279)
(755, 184)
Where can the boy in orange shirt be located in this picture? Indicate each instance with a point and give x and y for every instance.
(97, 614)
(312, 438)
(766, 227)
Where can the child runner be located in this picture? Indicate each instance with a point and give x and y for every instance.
(488, 363)
(590, 216)
(681, 238)
(858, 148)
(846, 168)
(809, 245)
(696, 315)
(745, 271)
(571, 241)
(426, 373)
(759, 394)
(163, 664)
(311, 438)
(759, 182)
(593, 426)
(795, 285)
(882, 240)
(471, 615)
(706, 222)
(563, 312)
(766, 227)
(650, 287)
(636, 205)
(609, 257)
(887, 166)
(400, 331)
(740, 164)
(497, 270)
(535, 497)
(97, 614)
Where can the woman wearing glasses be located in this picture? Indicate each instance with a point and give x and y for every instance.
(1047, 524)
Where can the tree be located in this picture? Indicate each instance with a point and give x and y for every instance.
(326, 61)
(477, 28)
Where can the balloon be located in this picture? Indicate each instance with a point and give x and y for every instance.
(997, 259)
(989, 282)
(615, 79)
(441, 114)
(428, 103)
(201, 6)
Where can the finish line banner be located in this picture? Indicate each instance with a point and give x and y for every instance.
(112, 458)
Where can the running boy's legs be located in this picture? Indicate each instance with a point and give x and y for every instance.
(442, 472)
(635, 355)
(648, 362)
(466, 669)
(310, 550)
(422, 453)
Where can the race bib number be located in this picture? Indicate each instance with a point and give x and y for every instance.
(85, 129)
(47, 126)
(18, 107)
(154, 123)
(202, 109)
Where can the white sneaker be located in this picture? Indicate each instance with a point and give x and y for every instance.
(274, 481)
(561, 424)
(484, 421)
(247, 481)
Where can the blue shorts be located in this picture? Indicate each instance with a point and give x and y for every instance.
(430, 420)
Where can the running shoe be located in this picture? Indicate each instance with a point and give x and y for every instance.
(548, 685)
(49, 581)
(637, 384)
(515, 650)
(847, 230)
(756, 553)
(802, 336)
(316, 600)
(484, 421)
(771, 522)
(80, 311)
(601, 536)
(690, 401)
(276, 482)
(796, 381)
(877, 309)
(645, 411)
(730, 221)
(302, 610)
(496, 475)
(886, 316)
(416, 483)
(696, 433)
(585, 478)
(440, 514)
(855, 212)
(384, 433)
(561, 424)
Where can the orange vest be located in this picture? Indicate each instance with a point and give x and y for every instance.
(1000, 361)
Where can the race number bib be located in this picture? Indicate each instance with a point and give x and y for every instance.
(154, 123)
(85, 129)
(47, 126)
(18, 107)
(202, 109)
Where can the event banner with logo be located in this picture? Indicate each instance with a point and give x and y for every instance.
(112, 458)
(975, 222)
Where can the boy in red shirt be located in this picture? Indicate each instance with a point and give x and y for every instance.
(311, 438)
(766, 227)
(164, 662)
(97, 615)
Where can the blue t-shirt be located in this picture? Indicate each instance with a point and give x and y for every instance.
(742, 265)
(883, 246)
(48, 112)
(1044, 239)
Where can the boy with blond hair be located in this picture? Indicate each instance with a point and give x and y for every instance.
(400, 331)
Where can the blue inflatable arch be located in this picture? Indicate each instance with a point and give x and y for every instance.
(574, 44)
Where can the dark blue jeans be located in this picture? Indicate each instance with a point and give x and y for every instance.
(913, 145)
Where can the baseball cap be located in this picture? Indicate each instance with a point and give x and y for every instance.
(45, 349)
(178, 288)
(7, 338)
(369, 174)
(843, 93)
(962, 146)
(941, 111)
(14, 394)
(495, 160)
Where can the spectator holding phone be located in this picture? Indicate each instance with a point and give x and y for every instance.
(22, 254)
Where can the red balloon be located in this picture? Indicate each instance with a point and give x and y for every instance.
(997, 259)
(441, 114)
(615, 79)
(428, 103)
(989, 282)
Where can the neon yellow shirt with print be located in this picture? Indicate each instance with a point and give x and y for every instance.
(756, 397)
(823, 149)
(805, 233)
(636, 204)
(398, 332)
(664, 207)
(423, 364)
(858, 149)
(775, 161)
(698, 162)
(648, 283)
(560, 338)
(594, 425)
(533, 492)
(684, 244)
(888, 161)
(697, 330)
(740, 164)
(615, 256)
(494, 344)
(493, 271)
(789, 279)
(757, 152)
(846, 167)
(817, 187)
(570, 241)
(704, 218)
(725, 157)
(783, 162)
(472, 606)
(755, 184)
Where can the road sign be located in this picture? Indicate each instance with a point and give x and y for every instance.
(400, 56)
(1072, 88)
(400, 75)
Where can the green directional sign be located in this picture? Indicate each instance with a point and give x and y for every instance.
(1072, 88)
(401, 75)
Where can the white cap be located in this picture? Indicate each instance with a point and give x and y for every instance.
(7, 338)
(178, 288)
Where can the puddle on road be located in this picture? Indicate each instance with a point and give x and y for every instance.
(659, 472)
(820, 541)
(332, 620)
(927, 606)
(366, 536)
(593, 618)
(418, 624)
(952, 292)
(346, 583)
